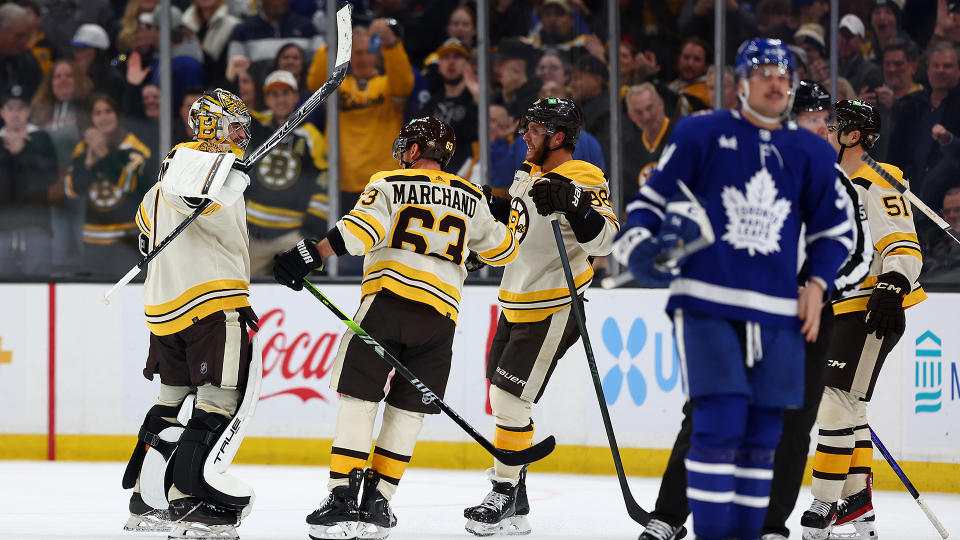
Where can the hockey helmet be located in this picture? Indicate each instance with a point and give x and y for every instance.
(811, 96)
(853, 114)
(760, 52)
(435, 138)
(559, 115)
(212, 115)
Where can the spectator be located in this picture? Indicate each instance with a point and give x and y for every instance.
(212, 23)
(809, 37)
(774, 18)
(287, 198)
(462, 25)
(941, 254)
(885, 23)
(899, 60)
(371, 109)
(186, 55)
(691, 68)
(107, 165)
(61, 18)
(644, 137)
(28, 172)
(861, 73)
(553, 68)
(502, 129)
(509, 19)
(518, 89)
(40, 45)
(90, 45)
(291, 59)
(730, 100)
(146, 127)
(696, 19)
(59, 106)
(947, 26)
(801, 60)
(19, 71)
(588, 89)
(130, 23)
(456, 105)
(916, 145)
(259, 37)
(556, 28)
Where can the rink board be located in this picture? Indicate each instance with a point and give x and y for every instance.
(60, 345)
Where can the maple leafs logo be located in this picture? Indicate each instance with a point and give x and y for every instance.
(754, 221)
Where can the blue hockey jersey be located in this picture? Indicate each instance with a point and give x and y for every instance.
(757, 187)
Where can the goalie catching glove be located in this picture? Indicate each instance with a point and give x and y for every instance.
(291, 266)
(885, 307)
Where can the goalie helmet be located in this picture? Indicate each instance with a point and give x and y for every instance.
(853, 114)
(559, 115)
(435, 139)
(212, 116)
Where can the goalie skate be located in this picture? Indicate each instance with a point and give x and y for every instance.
(145, 518)
(202, 531)
(197, 519)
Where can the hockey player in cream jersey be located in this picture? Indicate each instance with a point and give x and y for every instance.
(414, 227)
(198, 314)
(869, 323)
(536, 326)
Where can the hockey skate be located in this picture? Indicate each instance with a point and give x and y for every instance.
(338, 515)
(376, 519)
(502, 512)
(661, 530)
(145, 518)
(818, 520)
(197, 519)
(856, 510)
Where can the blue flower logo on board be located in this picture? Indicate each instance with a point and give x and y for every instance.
(627, 355)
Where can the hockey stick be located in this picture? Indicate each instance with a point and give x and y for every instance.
(344, 46)
(510, 457)
(634, 510)
(897, 185)
(906, 482)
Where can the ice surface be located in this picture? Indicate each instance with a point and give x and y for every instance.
(63, 500)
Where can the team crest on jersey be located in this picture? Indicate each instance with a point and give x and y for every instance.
(279, 169)
(754, 218)
(519, 219)
(105, 195)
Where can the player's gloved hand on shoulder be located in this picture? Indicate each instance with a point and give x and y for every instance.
(637, 249)
(885, 306)
(291, 266)
(473, 262)
(551, 196)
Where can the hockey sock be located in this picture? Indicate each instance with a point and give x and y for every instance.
(754, 470)
(514, 428)
(352, 439)
(862, 460)
(398, 437)
(718, 425)
(835, 444)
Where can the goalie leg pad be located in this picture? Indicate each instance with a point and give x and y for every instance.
(156, 444)
(152, 425)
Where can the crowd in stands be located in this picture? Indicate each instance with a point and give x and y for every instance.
(80, 96)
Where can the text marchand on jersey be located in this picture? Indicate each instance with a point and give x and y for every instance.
(452, 197)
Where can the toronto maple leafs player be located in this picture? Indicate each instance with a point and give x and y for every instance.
(738, 322)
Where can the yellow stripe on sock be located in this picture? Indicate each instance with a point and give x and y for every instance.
(862, 457)
(505, 439)
(831, 463)
(344, 464)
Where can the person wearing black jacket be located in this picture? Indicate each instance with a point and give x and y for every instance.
(28, 169)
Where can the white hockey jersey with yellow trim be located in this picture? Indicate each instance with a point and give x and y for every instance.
(533, 286)
(205, 270)
(895, 245)
(415, 228)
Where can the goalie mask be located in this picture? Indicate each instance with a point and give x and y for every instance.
(221, 119)
(434, 138)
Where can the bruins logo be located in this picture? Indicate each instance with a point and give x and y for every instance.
(231, 104)
(519, 219)
(279, 169)
(105, 195)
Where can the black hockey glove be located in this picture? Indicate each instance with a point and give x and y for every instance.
(499, 206)
(473, 262)
(885, 307)
(291, 266)
(553, 195)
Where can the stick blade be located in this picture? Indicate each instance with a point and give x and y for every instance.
(521, 457)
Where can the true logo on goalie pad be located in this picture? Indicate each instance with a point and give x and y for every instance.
(234, 426)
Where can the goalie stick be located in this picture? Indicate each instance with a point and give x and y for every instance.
(634, 510)
(344, 46)
(906, 482)
(897, 185)
(509, 457)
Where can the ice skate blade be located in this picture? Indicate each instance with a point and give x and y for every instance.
(512, 526)
(137, 523)
(341, 530)
(372, 530)
(863, 530)
(200, 531)
(816, 534)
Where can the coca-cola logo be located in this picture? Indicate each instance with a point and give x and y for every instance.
(298, 362)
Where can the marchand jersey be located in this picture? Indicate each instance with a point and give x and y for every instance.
(416, 228)
(207, 268)
(533, 286)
